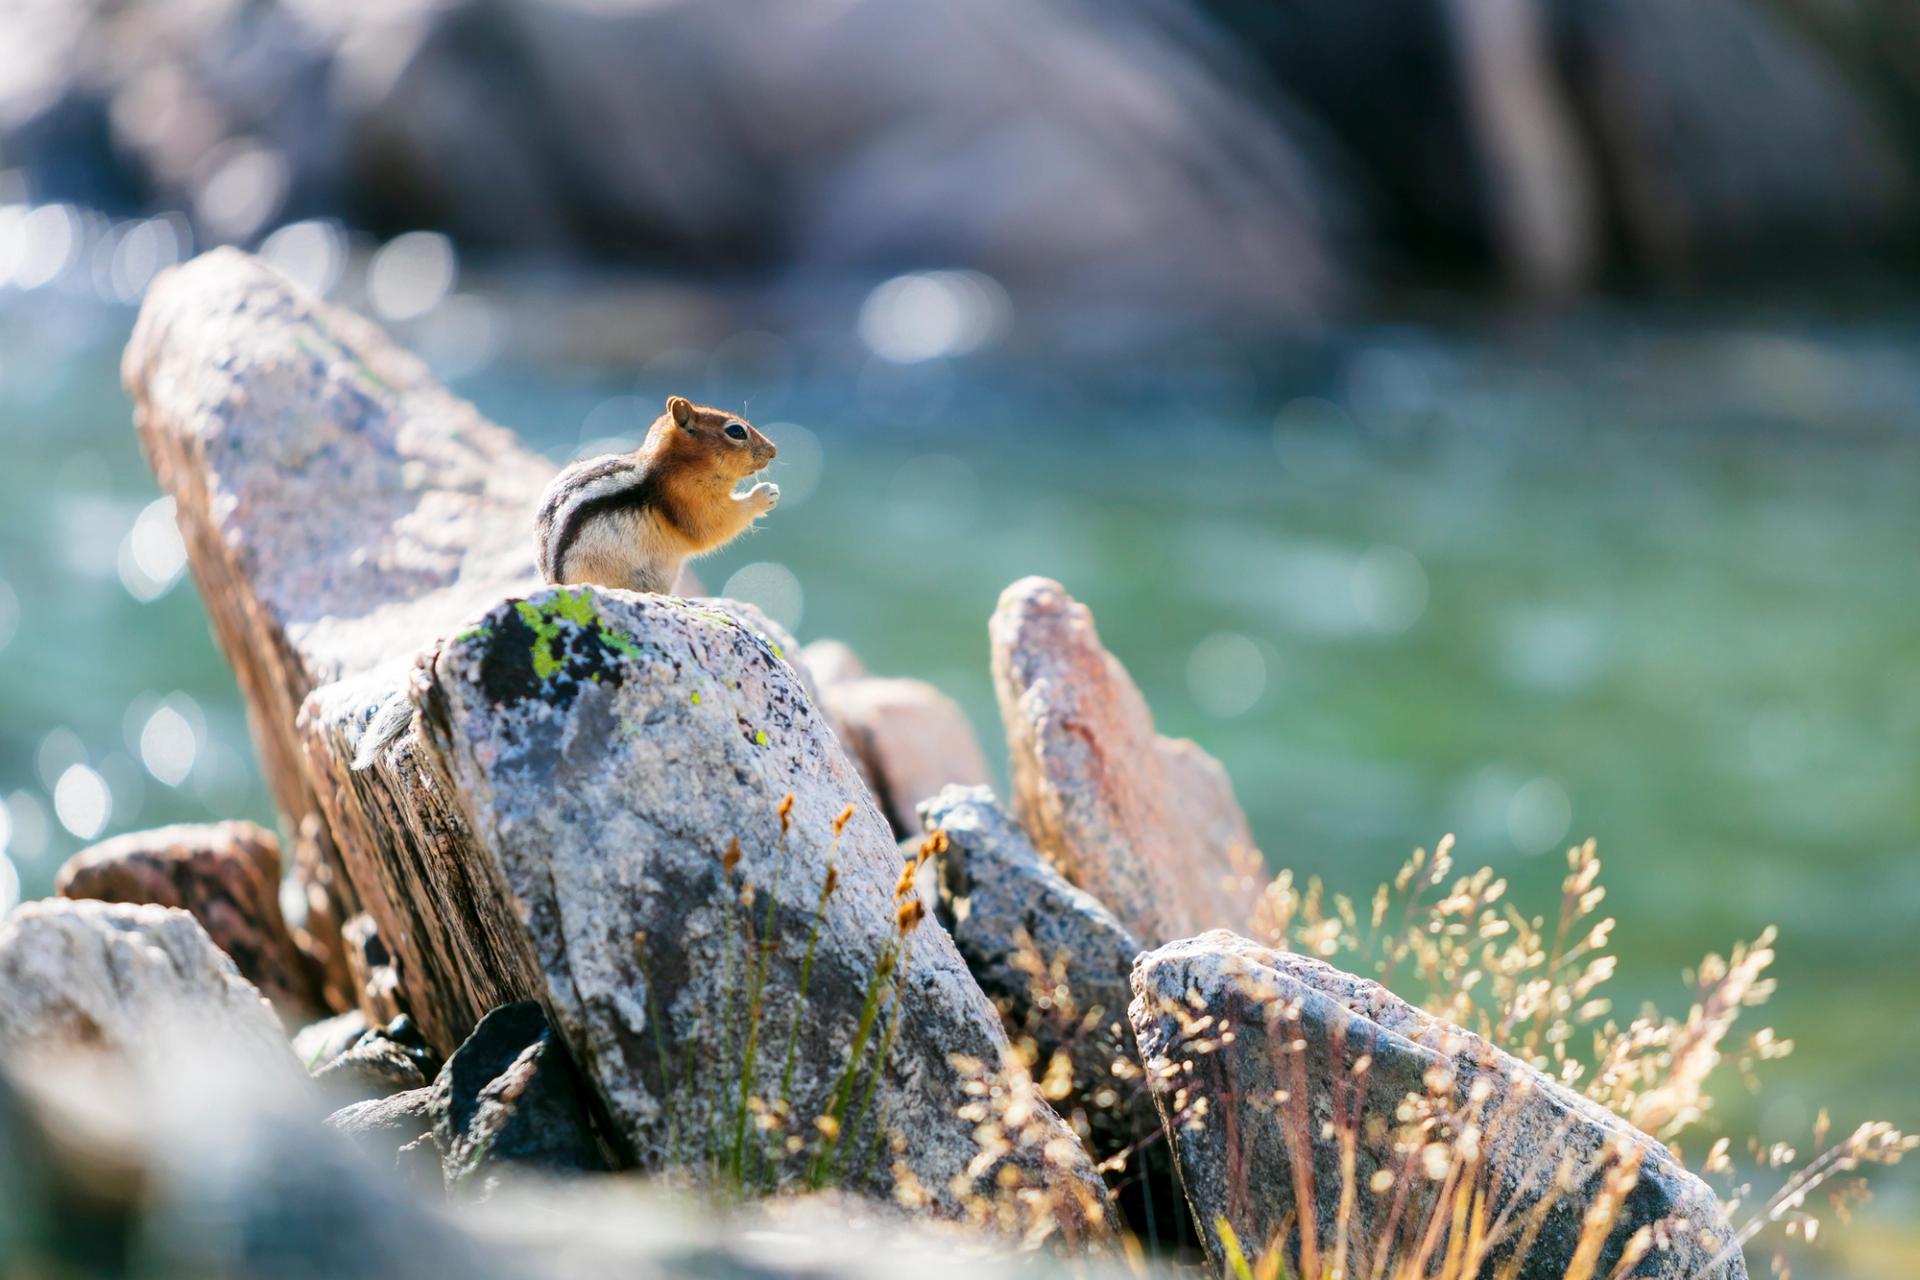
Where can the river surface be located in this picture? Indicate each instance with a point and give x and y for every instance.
(1644, 577)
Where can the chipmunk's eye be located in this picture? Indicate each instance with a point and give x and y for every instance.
(736, 432)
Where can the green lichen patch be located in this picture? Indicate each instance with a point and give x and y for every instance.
(546, 648)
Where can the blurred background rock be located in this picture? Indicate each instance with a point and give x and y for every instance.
(1499, 416)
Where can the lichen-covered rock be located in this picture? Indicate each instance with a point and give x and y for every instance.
(908, 738)
(132, 979)
(562, 826)
(622, 764)
(509, 1096)
(1146, 824)
(341, 510)
(227, 874)
(1021, 928)
(1266, 1064)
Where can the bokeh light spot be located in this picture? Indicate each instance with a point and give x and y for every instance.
(169, 745)
(152, 555)
(933, 313)
(27, 827)
(410, 275)
(82, 801)
(773, 588)
(1389, 589)
(1539, 816)
(1227, 674)
(312, 254)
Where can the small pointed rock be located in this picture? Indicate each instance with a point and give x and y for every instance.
(1147, 824)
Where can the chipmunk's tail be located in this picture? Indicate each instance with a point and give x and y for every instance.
(391, 721)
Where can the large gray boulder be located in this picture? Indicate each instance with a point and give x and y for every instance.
(140, 981)
(1270, 1069)
(1147, 824)
(592, 812)
(227, 874)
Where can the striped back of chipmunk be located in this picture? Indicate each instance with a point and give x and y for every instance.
(585, 491)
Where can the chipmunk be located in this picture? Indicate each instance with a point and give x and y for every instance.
(632, 519)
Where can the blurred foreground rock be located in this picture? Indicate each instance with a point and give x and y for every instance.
(1148, 825)
(136, 980)
(1256, 1061)
(590, 811)
(110, 1173)
(227, 874)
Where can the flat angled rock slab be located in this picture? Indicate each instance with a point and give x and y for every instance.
(1147, 824)
(340, 506)
(341, 509)
(1254, 1053)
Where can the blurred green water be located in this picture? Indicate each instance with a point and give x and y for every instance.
(1653, 582)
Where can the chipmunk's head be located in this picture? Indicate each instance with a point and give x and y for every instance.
(728, 442)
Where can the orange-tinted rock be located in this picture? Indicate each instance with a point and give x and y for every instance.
(227, 874)
(1147, 824)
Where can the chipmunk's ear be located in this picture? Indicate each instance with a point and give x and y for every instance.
(680, 409)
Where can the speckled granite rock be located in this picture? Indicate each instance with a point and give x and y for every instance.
(577, 722)
(1146, 824)
(138, 980)
(341, 510)
(585, 759)
(227, 874)
(1250, 1048)
(908, 738)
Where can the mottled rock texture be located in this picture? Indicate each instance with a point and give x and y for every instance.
(508, 1096)
(135, 980)
(606, 751)
(341, 509)
(227, 874)
(908, 738)
(1147, 824)
(380, 1061)
(560, 826)
(1256, 1057)
(1021, 927)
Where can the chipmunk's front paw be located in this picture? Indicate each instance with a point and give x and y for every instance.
(764, 496)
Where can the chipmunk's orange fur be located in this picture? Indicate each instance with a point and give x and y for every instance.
(631, 520)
